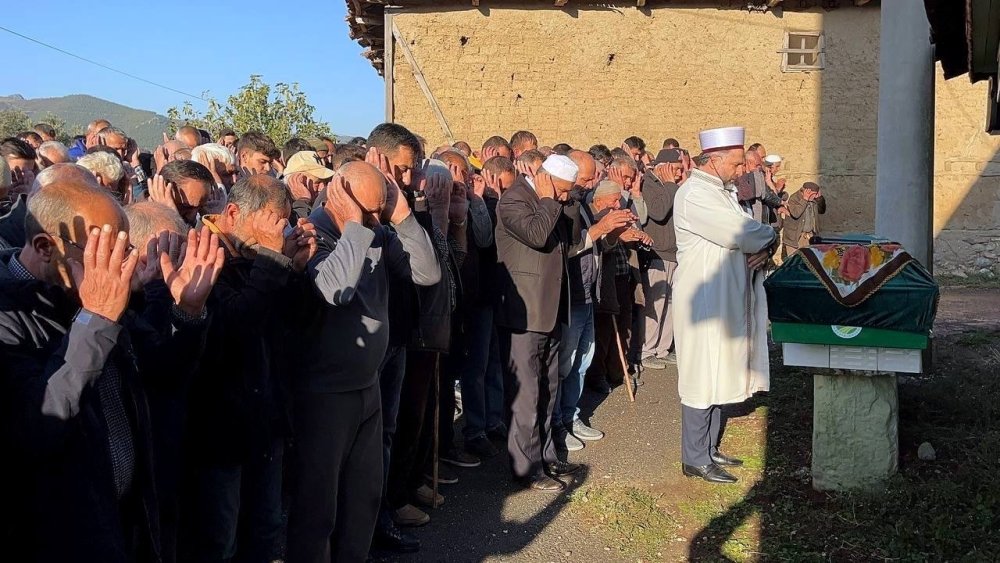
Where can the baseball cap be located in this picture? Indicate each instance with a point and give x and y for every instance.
(308, 162)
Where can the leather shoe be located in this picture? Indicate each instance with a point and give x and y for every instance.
(719, 458)
(391, 538)
(562, 468)
(711, 473)
(546, 484)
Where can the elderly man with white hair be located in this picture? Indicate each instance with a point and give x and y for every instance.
(219, 161)
(110, 173)
(51, 152)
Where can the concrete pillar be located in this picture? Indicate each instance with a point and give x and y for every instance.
(855, 431)
(904, 178)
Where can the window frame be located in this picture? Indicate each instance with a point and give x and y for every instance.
(819, 51)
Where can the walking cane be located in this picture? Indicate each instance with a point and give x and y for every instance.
(437, 423)
(621, 357)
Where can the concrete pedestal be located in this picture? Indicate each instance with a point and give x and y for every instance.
(855, 431)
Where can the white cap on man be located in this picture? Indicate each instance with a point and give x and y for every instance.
(723, 138)
(561, 167)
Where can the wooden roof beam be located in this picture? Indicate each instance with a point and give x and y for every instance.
(773, 3)
(561, 3)
(640, 3)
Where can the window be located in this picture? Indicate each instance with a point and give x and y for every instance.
(803, 51)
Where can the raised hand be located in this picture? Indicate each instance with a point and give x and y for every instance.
(616, 176)
(438, 192)
(380, 161)
(148, 268)
(21, 180)
(524, 169)
(300, 244)
(103, 280)
(479, 184)
(191, 284)
(458, 208)
(216, 201)
(339, 203)
(269, 230)
(634, 235)
(457, 174)
(635, 188)
(161, 191)
(615, 220)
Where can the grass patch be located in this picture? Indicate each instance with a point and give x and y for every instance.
(943, 510)
(975, 281)
(629, 518)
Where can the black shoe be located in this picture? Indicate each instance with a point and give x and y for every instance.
(459, 458)
(719, 458)
(446, 476)
(497, 433)
(546, 484)
(711, 473)
(391, 538)
(481, 447)
(562, 468)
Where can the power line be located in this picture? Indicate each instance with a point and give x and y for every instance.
(104, 66)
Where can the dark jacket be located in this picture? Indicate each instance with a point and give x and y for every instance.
(63, 505)
(237, 402)
(420, 315)
(534, 237)
(798, 210)
(659, 198)
(345, 339)
(12, 223)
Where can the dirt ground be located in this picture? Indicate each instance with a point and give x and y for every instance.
(631, 502)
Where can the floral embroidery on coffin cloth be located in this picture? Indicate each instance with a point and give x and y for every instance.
(854, 272)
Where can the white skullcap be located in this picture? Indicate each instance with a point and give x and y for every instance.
(721, 138)
(561, 167)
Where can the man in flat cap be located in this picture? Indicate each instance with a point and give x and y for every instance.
(720, 313)
(537, 231)
(801, 217)
(659, 186)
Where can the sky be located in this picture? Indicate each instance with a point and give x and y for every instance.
(211, 45)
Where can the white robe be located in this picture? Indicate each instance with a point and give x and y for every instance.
(720, 318)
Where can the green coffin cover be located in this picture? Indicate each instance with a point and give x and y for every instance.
(907, 302)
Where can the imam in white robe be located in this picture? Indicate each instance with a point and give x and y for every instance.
(720, 311)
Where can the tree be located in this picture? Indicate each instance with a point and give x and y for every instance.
(12, 122)
(281, 112)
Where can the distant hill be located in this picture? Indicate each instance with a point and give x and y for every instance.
(146, 127)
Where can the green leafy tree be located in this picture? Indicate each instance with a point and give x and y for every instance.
(281, 111)
(12, 122)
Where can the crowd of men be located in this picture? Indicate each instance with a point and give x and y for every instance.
(214, 345)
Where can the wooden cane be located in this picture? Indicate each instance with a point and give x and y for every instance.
(621, 357)
(437, 424)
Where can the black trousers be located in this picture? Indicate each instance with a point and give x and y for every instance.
(607, 363)
(338, 476)
(701, 431)
(414, 428)
(531, 381)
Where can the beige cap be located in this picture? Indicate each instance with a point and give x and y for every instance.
(308, 162)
